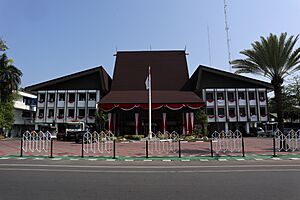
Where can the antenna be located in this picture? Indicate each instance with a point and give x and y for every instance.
(208, 40)
(227, 34)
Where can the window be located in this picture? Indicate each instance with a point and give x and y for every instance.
(92, 112)
(252, 111)
(41, 113)
(221, 112)
(231, 96)
(71, 113)
(262, 96)
(81, 97)
(242, 112)
(61, 97)
(220, 95)
(231, 112)
(61, 113)
(263, 112)
(210, 111)
(81, 113)
(251, 95)
(26, 114)
(209, 96)
(241, 95)
(92, 96)
(51, 97)
(42, 98)
(50, 113)
(71, 97)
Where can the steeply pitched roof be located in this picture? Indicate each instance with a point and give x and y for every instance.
(207, 77)
(168, 68)
(94, 78)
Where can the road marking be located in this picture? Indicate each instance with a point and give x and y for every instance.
(294, 158)
(56, 159)
(258, 159)
(240, 159)
(203, 159)
(110, 159)
(185, 160)
(147, 160)
(74, 159)
(129, 160)
(38, 159)
(3, 158)
(166, 160)
(222, 159)
(276, 158)
(21, 158)
(92, 159)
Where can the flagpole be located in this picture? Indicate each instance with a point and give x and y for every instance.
(150, 105)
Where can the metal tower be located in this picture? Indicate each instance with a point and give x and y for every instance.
(227, 34)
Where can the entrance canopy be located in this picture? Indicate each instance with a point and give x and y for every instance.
(128, 100)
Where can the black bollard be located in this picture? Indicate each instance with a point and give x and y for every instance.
(211, 149)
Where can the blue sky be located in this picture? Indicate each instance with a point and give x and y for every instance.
(48, 39)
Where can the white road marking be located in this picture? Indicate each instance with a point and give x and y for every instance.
(74, 159)
(258, 159)
(166, 160)
(185, 160)
(110, 159)
(147, 160)
(3, 158)
(129, 160)
(276, 158)
(21, 158)
(56, 159)
(203, 159)
(240, 159)
(38, 158)
(222, 159)
(92, 159)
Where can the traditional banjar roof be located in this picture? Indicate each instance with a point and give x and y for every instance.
(169, 73)
(90, 79)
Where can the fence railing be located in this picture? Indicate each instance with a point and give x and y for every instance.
(164, 143)
(289, 141)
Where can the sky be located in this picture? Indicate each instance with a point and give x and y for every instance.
(52, 38)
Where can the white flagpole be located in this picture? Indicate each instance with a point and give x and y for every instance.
(150, 104)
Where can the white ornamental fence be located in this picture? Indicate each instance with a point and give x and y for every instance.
(102, 143)
(289, 141)
(36, 142)
(164, 143)
(227, 141)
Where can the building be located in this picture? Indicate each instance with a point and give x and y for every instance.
(232, 101)
(24, 111)
(71, 98)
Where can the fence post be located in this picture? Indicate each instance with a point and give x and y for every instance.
(82, 147)
(179, 147)
(114, 156)
(274, 147)
(147, 155)
(21, 155)
(51, 146)
(243, 146)
(211, 148)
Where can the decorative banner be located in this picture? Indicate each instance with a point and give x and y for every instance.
(109, 121)
(164, 121)
(187, 123)
(136, 123)
(192, 121)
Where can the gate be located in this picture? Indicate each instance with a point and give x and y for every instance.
(37, 142)
(287, 142)
(164, 143)
(224, 142)
(98, 143)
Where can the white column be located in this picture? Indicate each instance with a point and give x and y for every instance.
(183, 124)
(192, 121)
(187, 123)
(109, 121)
(136, 115)
(247, 127)
(164, 122)
(226, 126)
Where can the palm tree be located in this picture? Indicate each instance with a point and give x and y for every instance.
(272, 57)
(3, 47)
(10, 77)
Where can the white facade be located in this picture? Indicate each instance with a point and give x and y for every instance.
(62, 106)
(247, 105)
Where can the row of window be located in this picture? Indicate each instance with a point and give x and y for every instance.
(71, 97)
(232, 95)
(232, 111)
(70, 114)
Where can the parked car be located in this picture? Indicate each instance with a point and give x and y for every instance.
(257, 131)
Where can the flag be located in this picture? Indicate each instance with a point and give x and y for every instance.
(147, 83)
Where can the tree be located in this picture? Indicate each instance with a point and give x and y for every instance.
(272, 57)
(100, 120)
(10, 77)
(3, 47)
(201, 120)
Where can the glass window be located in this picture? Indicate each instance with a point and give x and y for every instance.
(251, 95)
(242, 112)
(51, 113)
(51, 97)
(231, 96)
(263, 112)
(209, 96)
(241, 95)
(262, 96)
(92, 112)
(61, 97)
(92, 96)
(81, 113)
(210, 111)
(42, 98)
(61, 112)
(232, 112)
(81, 96)
(252, 111)
(221, 111)
(71, 97)
(41, 113)
(71, 113)
(220, 95)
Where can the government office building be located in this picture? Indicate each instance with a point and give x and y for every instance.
(231, 101)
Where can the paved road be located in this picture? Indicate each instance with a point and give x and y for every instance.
(82, 179)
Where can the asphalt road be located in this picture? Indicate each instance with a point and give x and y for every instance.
(65, 179)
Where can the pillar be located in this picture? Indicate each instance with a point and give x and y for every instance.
(164, 122)
(247, 128)
(192, 121)
(136, 116)
(109, 121)
(183, 124)
(226, 126)
(187, 123)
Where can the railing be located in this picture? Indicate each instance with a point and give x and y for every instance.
(227, 142)
(164, 143)
(289, 141)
